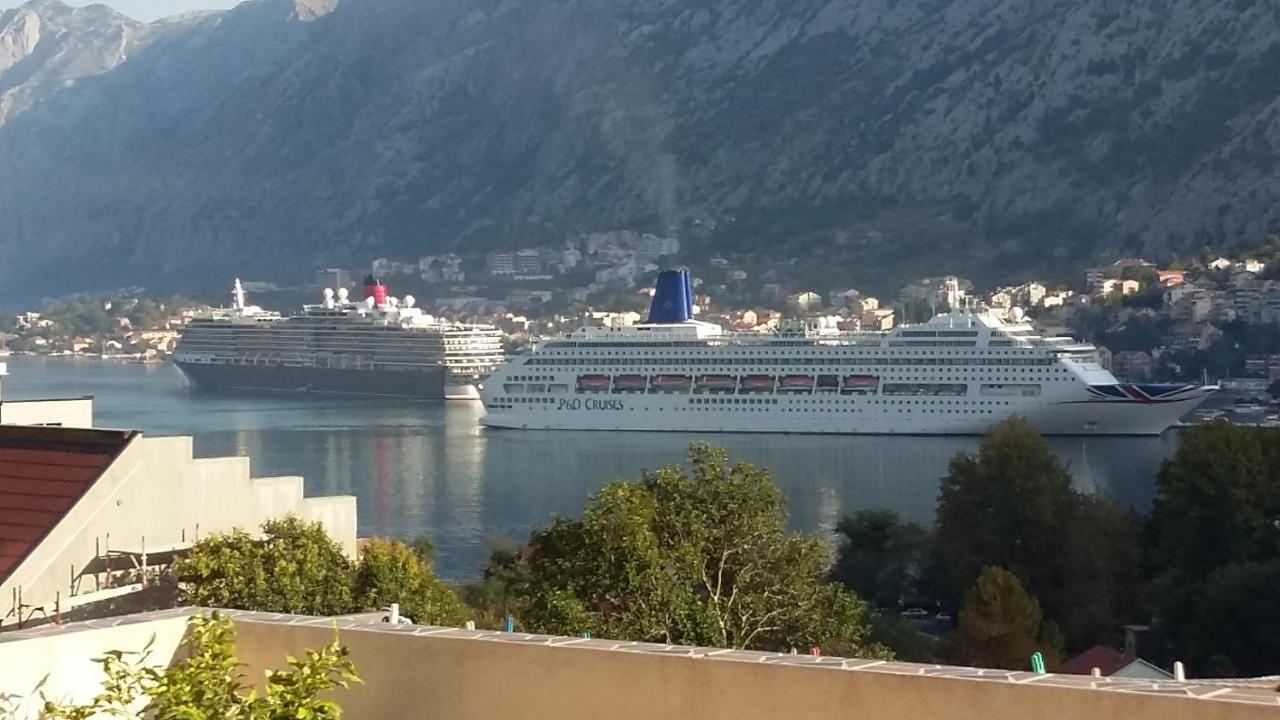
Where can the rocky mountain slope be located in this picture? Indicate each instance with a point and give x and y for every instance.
(879, 137)
(45, 46)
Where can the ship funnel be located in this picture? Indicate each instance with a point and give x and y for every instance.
(375, 290)
(672, 298)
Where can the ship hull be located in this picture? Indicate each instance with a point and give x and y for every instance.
(836, 415)
(418, 384)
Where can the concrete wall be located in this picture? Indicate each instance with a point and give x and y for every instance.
(450, 676)
(157, 492)
(434, 673)
(60, 667)
(74, 413)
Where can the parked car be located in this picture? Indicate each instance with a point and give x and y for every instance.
(915, 613)
(944, 617)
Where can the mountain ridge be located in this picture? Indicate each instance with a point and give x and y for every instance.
(882, 137)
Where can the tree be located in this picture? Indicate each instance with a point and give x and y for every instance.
(1008, 506)
(1214, 539)
(1102, 570)
(1233, 631)
(392, 572)
(1274, 389)
(881, 556)
(295, 567)
(1217, 499)
(494, 597)
(696, 556)
(206, 683)
(1001, 625)
(1013, 506)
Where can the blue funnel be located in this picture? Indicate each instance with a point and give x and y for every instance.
(672, 298)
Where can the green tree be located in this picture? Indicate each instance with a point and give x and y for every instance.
(1214, 540)
(1102, 566)
(1013, 506)
(494, 597)
(206, 683)
(392, 572)
(695, 556)
(1007, 506)
(1001, 625)
(1217, 499)
(295, 567)
(1233, 631)
(881, 556)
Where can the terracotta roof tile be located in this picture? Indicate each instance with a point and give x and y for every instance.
(43, 473)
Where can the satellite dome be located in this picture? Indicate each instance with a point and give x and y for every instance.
(410, 301)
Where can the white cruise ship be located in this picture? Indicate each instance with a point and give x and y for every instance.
(378, 346)
(958, 374)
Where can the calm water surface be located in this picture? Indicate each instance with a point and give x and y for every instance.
(424, 468)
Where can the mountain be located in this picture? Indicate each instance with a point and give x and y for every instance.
(46, 46)
(871, 138)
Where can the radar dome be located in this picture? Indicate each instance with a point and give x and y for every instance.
(328, 293)
(410, 301)
(343, 294)
(1017, 314)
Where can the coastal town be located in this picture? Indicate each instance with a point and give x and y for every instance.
(1213, 317)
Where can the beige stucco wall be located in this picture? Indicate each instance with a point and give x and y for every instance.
(476, 679)
(76, 413)
(156, 491)
(462, 675)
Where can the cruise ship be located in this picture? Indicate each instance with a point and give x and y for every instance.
(378, 346)
(957, 374)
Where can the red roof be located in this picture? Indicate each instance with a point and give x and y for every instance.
(1106, 659)
(44, 471)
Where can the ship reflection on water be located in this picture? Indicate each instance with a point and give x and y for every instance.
(430, 469)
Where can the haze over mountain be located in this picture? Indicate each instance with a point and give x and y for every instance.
(881, 137)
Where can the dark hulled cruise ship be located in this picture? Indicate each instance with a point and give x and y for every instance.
(379, 346)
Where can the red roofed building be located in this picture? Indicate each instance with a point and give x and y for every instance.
(1111, 663)
(88, 517)
(43, 473)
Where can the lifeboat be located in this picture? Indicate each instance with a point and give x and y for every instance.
(630, 383)
(716, 384)
(670, 384)
(828, 383)
(757, 383)
(593, 383)
(860, 384)
(796, 383)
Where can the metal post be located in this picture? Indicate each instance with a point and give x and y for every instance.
(144, 561)
(395, 614)
(1179, 671)
(57, 608)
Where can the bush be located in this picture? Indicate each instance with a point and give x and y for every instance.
(206, 683)
(392, 572)
(294, 568)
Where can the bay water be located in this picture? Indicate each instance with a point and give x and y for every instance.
(422, 468)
